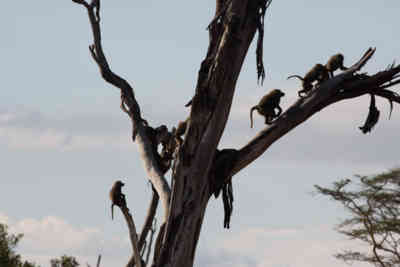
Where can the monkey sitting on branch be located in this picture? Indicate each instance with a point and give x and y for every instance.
(318, 73)
(116, 196)
(335, 62)
(267, 105)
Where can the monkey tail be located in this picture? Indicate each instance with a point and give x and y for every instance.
(251, 116)
(391, 108)
(295, 76)
(112, 211)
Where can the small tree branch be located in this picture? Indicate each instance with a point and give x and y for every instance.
(98, 261)
(128, 105)
(133, 238)
(147, 226)
(151, 239)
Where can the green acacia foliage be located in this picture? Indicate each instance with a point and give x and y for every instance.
(64, 261)
(373, 203)
(8, 243)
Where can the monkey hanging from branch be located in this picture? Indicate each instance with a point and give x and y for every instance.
(372, 118)
(222, 180)
(267, 105)
(318, 73)
(116, 196)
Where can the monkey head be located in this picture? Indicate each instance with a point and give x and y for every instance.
(119, 183)
(161, 134)
(278, 93)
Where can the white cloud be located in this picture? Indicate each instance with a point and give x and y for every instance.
(51, 230)
(52, 237)
(291, 247)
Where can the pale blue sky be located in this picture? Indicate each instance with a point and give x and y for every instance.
(61, 126)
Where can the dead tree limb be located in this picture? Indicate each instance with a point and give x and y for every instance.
(133, 237)
(151, 212)
(147, 227)
(151, 239)
(98, 261)
(128, 105)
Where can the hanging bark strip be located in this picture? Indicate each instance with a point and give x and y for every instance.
(263, 5)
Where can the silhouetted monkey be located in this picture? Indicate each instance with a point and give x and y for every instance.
(116, 196)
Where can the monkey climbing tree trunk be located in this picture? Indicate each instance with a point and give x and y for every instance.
(199, 169)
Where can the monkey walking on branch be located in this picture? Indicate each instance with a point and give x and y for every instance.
(267, 105)
(318, 73)
(116, 196)
(335, 62)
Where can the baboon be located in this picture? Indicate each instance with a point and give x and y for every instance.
(267, 105)
(335, 62)
(372, 118)
(224, 161)
(160, 135)
(181, 128)
(318, 73)
(116, 196)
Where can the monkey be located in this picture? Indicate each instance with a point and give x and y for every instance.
(267, 105)
(372, 118)
(222, 180)
(335, 62)
(160, 135)
(318, 73)
(116, 196)
(179, 131)
(181, 128)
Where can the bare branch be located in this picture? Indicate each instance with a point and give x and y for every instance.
(151, 239)
(147, 226)
(133, 237)
(128, 105)
(81, 2)
(98, 261)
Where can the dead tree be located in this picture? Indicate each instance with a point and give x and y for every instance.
(198, 168)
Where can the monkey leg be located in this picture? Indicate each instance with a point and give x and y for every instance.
(268, 119)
